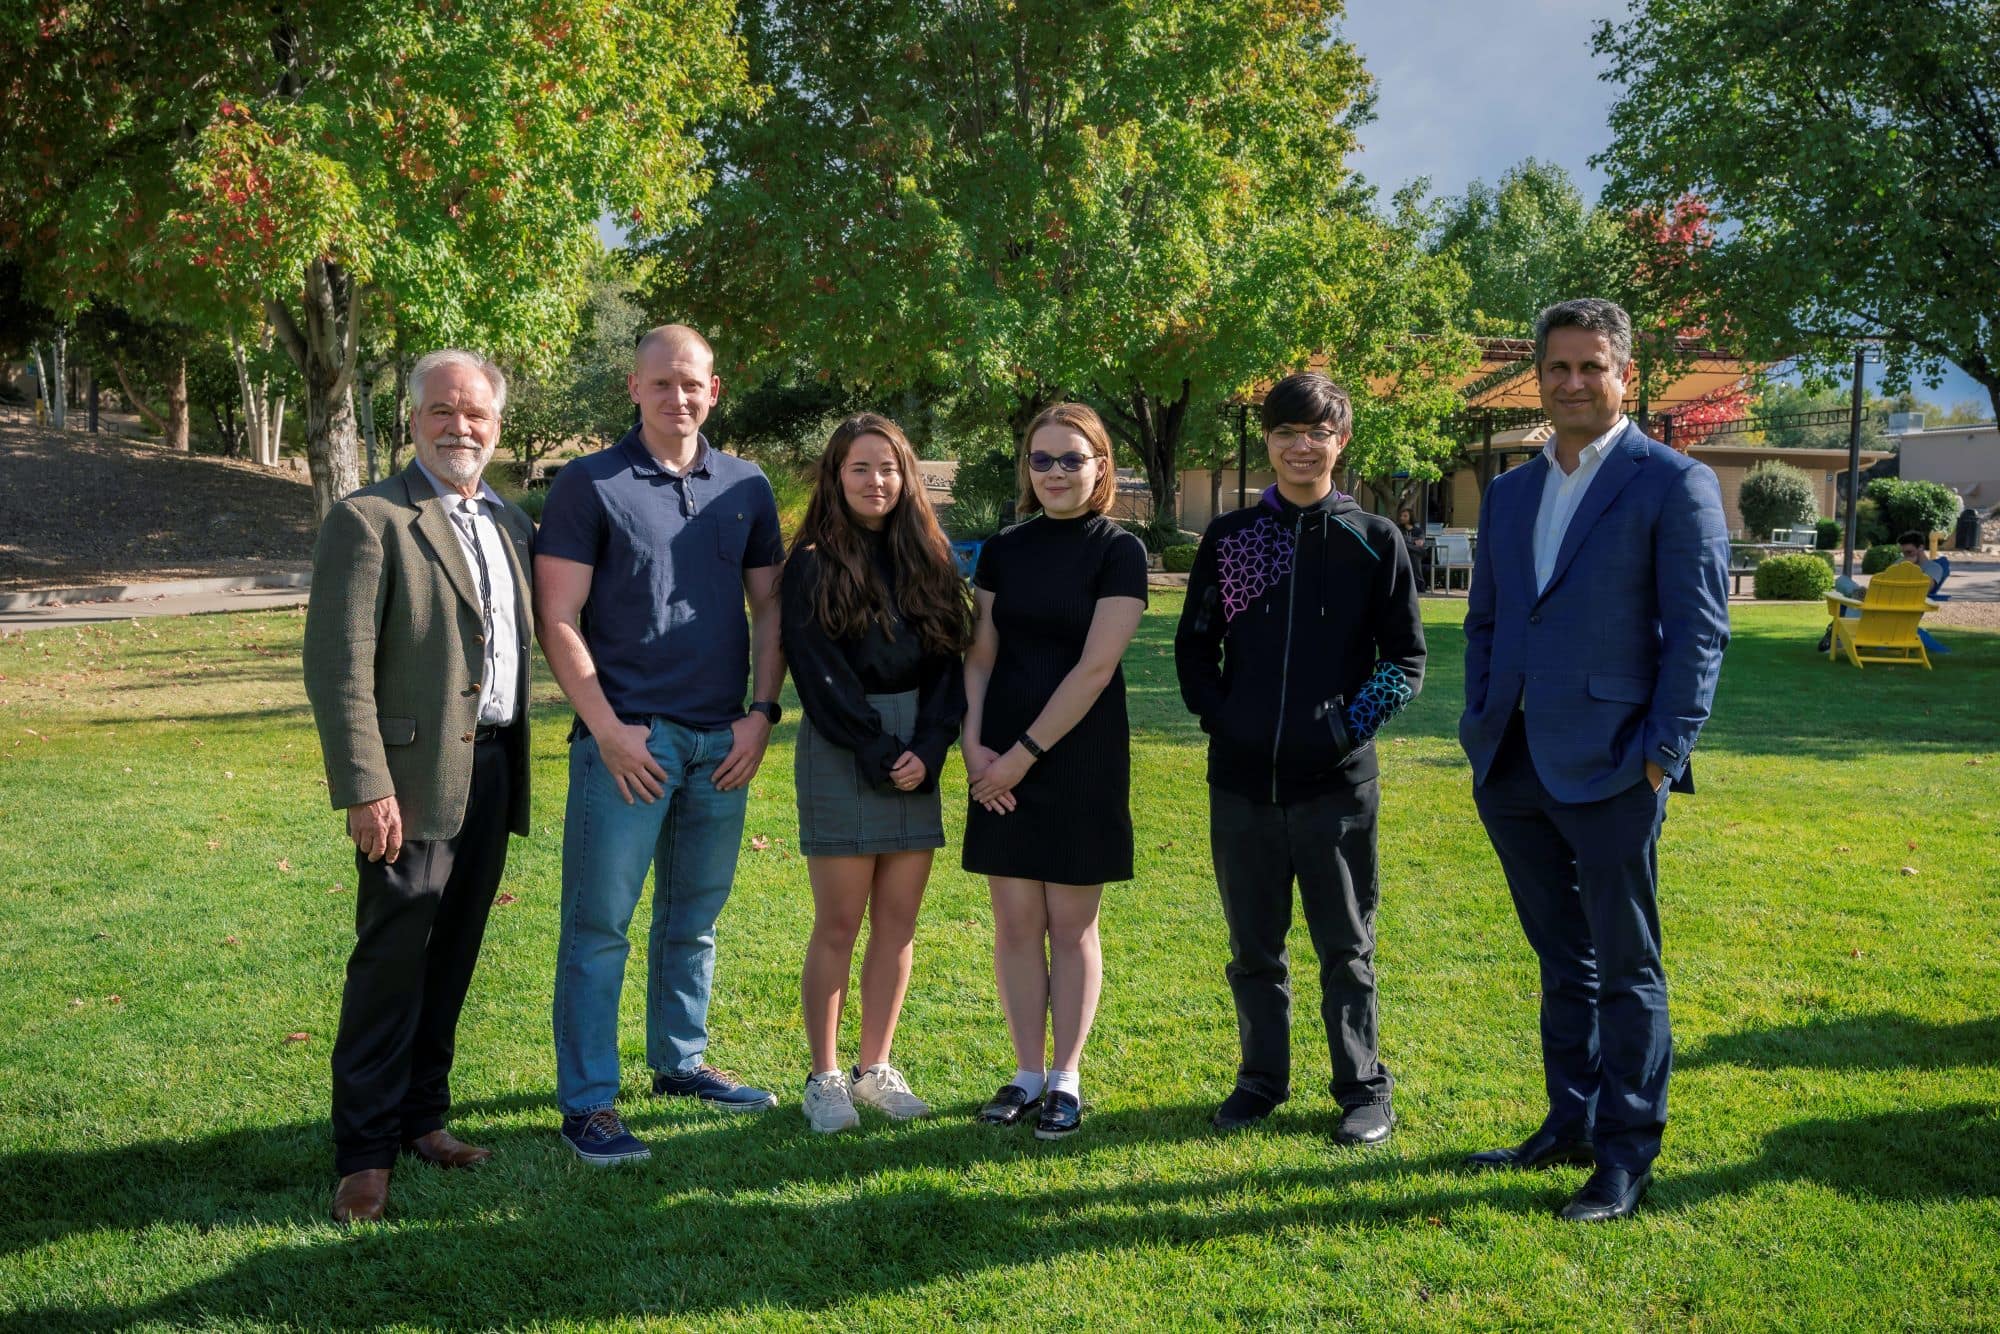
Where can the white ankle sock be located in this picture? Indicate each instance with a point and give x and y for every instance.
(1028, 1081)
(1066, 1081)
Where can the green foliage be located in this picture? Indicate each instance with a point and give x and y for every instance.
(532, 501)
(977, 518)
(1906, 505)
(1776, 495)
(1522, 243)
(1145, 205)
(1179, 558)
(1870, 527)
(1793, 578)
(1828, 534)
(579, 403)
(1778, 399)
(1848, 154)
(1879, 558)
(989, 478)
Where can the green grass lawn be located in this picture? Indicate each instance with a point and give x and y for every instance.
(176, 900)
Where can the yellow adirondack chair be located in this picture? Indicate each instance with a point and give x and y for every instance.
(1886, 629)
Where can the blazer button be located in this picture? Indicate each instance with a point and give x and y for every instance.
(479, 639)
(1535, 618)
(466, 737)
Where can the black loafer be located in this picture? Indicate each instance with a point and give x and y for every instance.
(1243, 1107)
(1370, 1123)
(1009, 1105)
(1539, 1150)
(1611, 1192)
(1061, 1115)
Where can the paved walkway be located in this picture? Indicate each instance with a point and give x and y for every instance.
(186, 598)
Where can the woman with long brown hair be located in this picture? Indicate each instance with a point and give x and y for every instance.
(1048, 753)
(875, 619)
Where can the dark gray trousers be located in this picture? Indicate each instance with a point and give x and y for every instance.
(1327, 845)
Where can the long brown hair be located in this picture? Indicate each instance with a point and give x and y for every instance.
(1083, 419)
(851, 597)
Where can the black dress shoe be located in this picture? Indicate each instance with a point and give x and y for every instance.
(1009, 1105)
(1061, 1115)
(1370, 1123)
(1243, 1107)
(1541, 1149)
(1611, 1192)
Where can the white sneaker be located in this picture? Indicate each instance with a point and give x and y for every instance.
(828, 1106)
(884, 1088)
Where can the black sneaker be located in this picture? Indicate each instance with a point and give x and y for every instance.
(602, 1140)
(1242, 1108)
(720, 1089)
(1062, 1113)
(1370, 1123)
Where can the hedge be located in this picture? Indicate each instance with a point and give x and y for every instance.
(1179, 558)
(1880, 558)
(1793, 578)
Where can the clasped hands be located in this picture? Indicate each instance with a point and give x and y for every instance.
(993, 776)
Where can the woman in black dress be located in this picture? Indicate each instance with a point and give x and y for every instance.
(1048, 752)
(874, 618)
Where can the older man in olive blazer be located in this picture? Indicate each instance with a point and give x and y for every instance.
(416, 663)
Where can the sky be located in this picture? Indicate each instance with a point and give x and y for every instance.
(1467, 88)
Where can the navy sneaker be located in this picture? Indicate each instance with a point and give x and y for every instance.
(720, 1089)
(602, 1140)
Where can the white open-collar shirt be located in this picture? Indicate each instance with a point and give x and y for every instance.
(1561, 494)
(479, 536)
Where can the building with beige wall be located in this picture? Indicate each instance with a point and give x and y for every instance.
(1964, 458)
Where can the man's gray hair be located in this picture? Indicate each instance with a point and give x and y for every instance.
(452, 356)
(1592, 313)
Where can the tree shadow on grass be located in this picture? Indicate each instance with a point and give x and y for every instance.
(1882, 1041)
(729, 1214)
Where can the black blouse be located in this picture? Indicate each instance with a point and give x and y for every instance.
(835, 676)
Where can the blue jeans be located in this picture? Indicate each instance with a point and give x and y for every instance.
(690, 836)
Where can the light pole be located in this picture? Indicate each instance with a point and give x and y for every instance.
(1863, 354)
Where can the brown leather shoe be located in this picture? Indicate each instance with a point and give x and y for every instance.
(361, 1196)
(440, 1149)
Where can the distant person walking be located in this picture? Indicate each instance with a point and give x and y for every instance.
(649, 550)
(1594, 634)
(416, 663)
(876, 619)
(1048, 752)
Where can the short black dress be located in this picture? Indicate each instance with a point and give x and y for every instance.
(1072, 819)
(865, 702)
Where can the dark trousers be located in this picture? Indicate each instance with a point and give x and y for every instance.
(1585, 881)
(417, 922)
(1326, 844)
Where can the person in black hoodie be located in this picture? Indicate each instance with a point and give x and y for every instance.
(1300, 638)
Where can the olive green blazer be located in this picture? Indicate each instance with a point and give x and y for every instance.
(393, 650)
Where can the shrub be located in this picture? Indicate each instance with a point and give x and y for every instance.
(1794, 578)
(1826, 556)
(532, 502)
(1880, 558)
(1775, 495)
(1178, 558)
(988, 476)
(1827, 534)
(1925, 507)
(975, 519)
(1870, 528)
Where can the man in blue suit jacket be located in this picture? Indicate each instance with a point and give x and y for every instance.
(1598, 615)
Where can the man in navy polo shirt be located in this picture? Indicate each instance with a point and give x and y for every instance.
(647, 552)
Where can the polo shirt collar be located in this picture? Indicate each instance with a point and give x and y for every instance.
(642, 458)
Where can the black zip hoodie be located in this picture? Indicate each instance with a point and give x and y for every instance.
(1293, 614)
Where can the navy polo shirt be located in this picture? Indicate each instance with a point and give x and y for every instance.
(665, 619)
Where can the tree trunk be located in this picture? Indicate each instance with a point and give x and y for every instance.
(132, 399)
(368, 423)
(398, 411)
(1161, 424)
(177, 407)
(323, 344)
(41, 379)
(57, 390)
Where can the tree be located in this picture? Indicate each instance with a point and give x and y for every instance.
(581, 400)
(1144, 205)
(441, 165)
(1850, 154)
(1775, 495)
(1524, 243)
(1912, 506)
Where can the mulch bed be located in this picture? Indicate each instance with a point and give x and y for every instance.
(78, 510)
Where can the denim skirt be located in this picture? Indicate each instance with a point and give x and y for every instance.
(841, 813)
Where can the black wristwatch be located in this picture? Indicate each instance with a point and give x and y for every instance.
(769, 708)
(1028, 744)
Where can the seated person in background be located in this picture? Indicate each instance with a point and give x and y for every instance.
(1419, 545)
(1914, 553)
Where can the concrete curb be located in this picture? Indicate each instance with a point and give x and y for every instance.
(50, 597)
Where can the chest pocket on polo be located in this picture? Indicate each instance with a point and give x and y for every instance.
(729, 530)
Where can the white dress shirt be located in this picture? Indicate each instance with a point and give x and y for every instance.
(485, 548)
(1561, 494)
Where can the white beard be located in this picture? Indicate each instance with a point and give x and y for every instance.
(458, 468)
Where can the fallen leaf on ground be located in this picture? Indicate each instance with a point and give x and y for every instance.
(1854, 954)
(231, 940)
(114, 999)
(102, 935)
(76, 1003)
(1911, 845)
(336, 889)
(1842, 848)
(214, 843)
(284, 864)
(758, 843)
(503, 899)
(298, 1037)
(1909, 870)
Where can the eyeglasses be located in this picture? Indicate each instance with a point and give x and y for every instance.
(1284, 437)
(1071, 462)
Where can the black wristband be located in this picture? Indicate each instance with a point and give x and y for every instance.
(1028, 744)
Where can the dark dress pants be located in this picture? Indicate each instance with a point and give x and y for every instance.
(1327, 844)
(418, 922)
(1585, 882)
